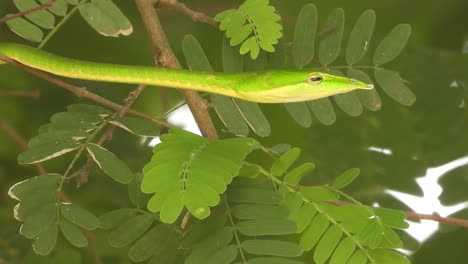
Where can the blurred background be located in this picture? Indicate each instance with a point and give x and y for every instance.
(396, 148)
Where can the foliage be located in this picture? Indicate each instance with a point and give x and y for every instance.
(254, 24)
(242, 212)
(103, 15)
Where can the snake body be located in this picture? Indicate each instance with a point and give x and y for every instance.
(264, 87)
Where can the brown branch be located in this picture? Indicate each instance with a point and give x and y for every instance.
(82, 92)
(164, 57)
(182, 8)
(416, 216)
(34, 94)
(29, 11)
(10, 131)
(437, 218)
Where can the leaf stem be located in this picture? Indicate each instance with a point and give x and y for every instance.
(236, 236)
(60, 24)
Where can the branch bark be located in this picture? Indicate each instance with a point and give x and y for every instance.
(164, 57)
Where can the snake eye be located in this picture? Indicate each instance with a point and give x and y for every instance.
(315, 79)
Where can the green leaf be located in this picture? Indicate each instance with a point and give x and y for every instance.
(38, 221)
(130, 230)
(45, 183)
(330, 43)
(392, 45)
(136, 196)
(73, 234)
(254, 196)
(46, 240)
(323, 110)
(262, 227)
(188, 170)
(229, 115)
(371, 229)
(359, 257)
(232, 60)
(271, 247)
(42, 18)
(149, 243)
(273, 260)
(327, 244)
(314, 232)
(210, 245)
(259, 211)
(110, 164)
(280, 148)
(48, 151)
(319, 194)
(384, 256)
(300, 113)
(303, 216)
(304, 36)
(25, 29)
(294, 176)
(50, 137)
(344, 251)
(79, 216)
(224, 106)
(254, 117)
(255, 23)
(360, 36)
(392, 218)
(223, 256)
(106, 18)
(194, 55)
(349, 103)
(136, 126)
(346, 178)
(67, 124)
(79, 117)
(282, 164)
(394, 86)
(392, 237)
(115, 218)
(369, 98)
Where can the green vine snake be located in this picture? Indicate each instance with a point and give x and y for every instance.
(263, 87)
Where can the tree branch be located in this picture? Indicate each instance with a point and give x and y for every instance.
(416, 216)
(82, 92)
(164, 57)
(29, 11)
(182, 8)
(34, 94)
(437, 218)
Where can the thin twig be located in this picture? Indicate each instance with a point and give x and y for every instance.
(182, 8)
(437, 218)
(34, 94)
(83, 172)
(416, 216)
(10, 131)
(83, 92)
(29, 11)
(164, 57)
